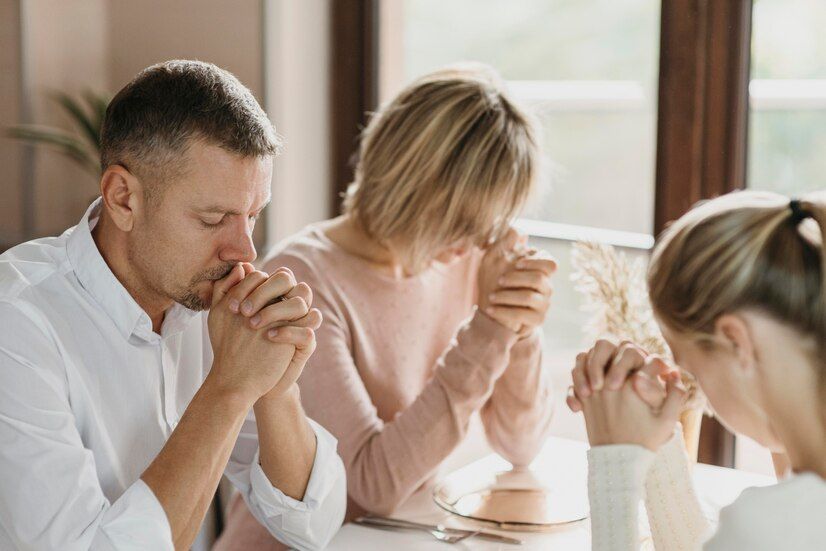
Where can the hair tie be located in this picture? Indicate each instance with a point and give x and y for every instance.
(798, 213)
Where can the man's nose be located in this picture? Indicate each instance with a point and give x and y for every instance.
(240, 247)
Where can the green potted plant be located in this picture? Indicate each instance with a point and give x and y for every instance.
(83, 146)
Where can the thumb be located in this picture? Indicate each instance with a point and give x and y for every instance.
(675, 399)
(222, 286)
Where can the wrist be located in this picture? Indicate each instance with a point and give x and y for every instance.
(491, 320)
(280, 400)
(233, 396)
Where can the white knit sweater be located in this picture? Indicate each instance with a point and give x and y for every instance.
(789, 515)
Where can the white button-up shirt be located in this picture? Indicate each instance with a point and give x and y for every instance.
(89, 394)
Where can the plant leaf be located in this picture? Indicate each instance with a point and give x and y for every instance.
(83, 120)
(59, 140)
(97, 102)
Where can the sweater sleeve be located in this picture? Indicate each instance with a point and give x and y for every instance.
(387, 461)
(517, 418)
(616, 478)
(620, 476)
(674, 514)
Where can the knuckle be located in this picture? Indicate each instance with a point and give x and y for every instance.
(605, 345)
(304, 289)
(302, 304)
(283, 278)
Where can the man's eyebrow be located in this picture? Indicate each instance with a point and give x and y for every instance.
(218, 209)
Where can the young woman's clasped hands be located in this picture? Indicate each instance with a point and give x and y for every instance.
(626, 395)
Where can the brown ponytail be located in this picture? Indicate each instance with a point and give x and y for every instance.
(744, 250)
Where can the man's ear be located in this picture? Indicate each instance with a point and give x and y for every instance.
(736, 336)
(122, 195)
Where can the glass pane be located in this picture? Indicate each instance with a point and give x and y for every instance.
(787, 125)
(588, 68)
(787, 39)
(786, 150)
(536, 39)
(602, 170)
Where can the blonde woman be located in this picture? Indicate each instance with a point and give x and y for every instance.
(425, 323)
(738, 287)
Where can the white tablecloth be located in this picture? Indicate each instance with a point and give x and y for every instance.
(564, 458)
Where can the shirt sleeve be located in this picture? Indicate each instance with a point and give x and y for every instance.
(50, 496)
(307, 524)
(517, 417)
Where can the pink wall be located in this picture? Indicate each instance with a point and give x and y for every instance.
(100, 45)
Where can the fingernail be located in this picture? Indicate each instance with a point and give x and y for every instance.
(272, 332)
(255, 320)
(520, 264)
(233, 306)
(246, 307)
(489, 311)
(501, 281)
(597, 385)
(492, 296)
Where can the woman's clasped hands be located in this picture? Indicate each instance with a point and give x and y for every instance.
(626, 395)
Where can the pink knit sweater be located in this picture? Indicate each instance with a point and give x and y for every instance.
(399, 368)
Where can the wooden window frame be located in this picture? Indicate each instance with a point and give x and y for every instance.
(702, 127)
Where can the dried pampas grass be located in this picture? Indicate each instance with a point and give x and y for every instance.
(615, 292)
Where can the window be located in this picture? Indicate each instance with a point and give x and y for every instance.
(787, 123)
(592, 82)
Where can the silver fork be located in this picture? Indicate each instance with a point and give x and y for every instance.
(441, 535)
(451, 538)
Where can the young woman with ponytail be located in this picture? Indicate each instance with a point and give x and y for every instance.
(738, 286)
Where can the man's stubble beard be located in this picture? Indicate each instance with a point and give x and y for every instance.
(190, 298)
(153, 279)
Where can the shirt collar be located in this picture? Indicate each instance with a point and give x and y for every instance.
(112, 297)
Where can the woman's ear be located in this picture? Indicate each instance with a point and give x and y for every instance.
(735, 335)
(121, 193)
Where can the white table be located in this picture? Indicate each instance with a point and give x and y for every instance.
(563, 458)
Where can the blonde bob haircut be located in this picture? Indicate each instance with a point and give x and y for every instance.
(747, 250)
(451, 157)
